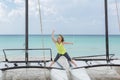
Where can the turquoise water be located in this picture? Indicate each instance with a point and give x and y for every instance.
(83, 45)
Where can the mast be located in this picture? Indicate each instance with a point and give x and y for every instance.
(26, 31)
(106, 31)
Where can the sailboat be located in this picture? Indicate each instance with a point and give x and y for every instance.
(98, 67)
(88, 68)
(30, 69)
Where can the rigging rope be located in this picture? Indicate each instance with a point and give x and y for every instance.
(117, 14)
(42, 37)
(41, 28)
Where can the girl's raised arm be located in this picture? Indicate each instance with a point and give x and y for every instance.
(53, 36)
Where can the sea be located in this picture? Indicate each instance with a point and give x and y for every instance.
(83, 45)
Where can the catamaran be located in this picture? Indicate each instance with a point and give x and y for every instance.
(96, 67)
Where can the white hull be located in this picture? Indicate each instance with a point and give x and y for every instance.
(58, 75)
(79, 74)
(94, 73)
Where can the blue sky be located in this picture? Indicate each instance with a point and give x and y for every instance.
(64, 16)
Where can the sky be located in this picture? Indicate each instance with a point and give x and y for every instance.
(83, 17)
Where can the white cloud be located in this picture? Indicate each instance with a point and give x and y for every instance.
(19, 2)
(2, 9)
(66, 13)
(46, 7)
(113, 9)
(80, 2)
(32, 7)
(19, 10)
(7, 12)
(3, 12)
(16, 13)
(49, 11)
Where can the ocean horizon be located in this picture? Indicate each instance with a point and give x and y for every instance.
(84, 45)
(58, 34)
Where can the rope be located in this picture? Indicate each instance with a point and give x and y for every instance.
(41, 29)
(42, 37)
(117, 14)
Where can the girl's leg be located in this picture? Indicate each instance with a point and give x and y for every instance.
(69, 59)
(56, 58)
(73, 62)
(52, 63)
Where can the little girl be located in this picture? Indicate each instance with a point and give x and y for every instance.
(61, 50)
